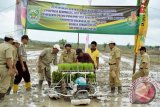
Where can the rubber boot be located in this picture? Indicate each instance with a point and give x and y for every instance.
(9, 90)
(49, 84)
(28, 86)
(15, 88)
(2, 96)
(40, 84)
(112, 90)
(119, 90)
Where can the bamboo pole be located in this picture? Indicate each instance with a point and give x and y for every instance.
(25, 29)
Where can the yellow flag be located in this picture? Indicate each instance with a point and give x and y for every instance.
(143, 27)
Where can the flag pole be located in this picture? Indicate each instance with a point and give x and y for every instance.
(78, 41)
(143, 25)
(86, 46)
(135, 60)
(136, 40)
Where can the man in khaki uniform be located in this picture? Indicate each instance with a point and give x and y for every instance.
(68, 55)
(6, 65)
(16, 45)
(144, 65)
(22, 67)
(47, 57)
(114, 64)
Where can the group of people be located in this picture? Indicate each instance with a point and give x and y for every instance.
(13, 66)
(68, 55)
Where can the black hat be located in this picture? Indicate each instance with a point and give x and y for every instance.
(143, 48)
(78, 51)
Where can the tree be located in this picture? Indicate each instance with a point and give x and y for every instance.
(62, 42)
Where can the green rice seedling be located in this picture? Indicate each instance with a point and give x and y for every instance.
(67, 67)
(56, 76)
(85, 66)
(59, 67)
(80, 67)
(91, 77)
(74, 66)
(90, 67)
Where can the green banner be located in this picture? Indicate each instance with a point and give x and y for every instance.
(82, 19)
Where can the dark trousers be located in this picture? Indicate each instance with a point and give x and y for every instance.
(22, 74)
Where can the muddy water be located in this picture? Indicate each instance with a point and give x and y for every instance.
(26, 101)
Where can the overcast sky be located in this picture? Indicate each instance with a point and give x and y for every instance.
(153, 35)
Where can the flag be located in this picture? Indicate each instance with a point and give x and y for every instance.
(143, 25)
(20, 17)
(23, 12)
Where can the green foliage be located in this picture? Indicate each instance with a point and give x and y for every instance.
(80, 66)
(56, 76)
(91, 77)
(62, 42)
(76, 67)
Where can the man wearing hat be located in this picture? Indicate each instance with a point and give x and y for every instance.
(48, 56)
(16, 45)
(22, 66)
(144, 65)
(114, 65)
(6, 64)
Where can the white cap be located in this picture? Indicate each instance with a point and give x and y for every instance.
(111, 42)
(9, 36)
(57, 46)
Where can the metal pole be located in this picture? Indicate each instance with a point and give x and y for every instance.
(25, 29)
(90, 3)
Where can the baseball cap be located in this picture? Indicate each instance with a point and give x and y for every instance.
(9, 36)
(57, 46)
(78, 51)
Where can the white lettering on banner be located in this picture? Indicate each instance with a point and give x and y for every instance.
(83, 19)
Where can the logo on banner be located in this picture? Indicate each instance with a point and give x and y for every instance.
(33, 14)
(132, 20)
